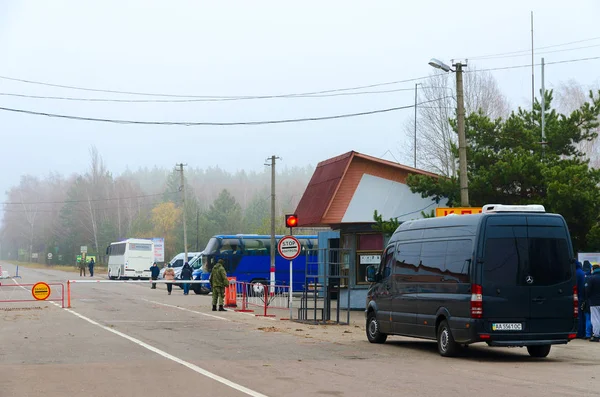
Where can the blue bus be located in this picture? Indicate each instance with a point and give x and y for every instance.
(248, 257)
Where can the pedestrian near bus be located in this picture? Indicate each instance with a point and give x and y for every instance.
(186, 274)
(586, 304)
(580, 275)
(154, 271)
(592, 289)
(82, 267)
(218, 283)
(169, 275)
(91, 267)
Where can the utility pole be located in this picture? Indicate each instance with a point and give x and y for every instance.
(462, 140)
(415, 147)
(197, 228)
(272, 160)
(543, 111)
(182, 188)
(532, 67)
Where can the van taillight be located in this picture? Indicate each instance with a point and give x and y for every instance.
(476, 301)
(575, 302)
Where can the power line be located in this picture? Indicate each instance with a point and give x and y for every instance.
(529, 65)
(63, 98)
(538, 53)
(528, 51)
(194, 123)
(237, 97)
(84, 201)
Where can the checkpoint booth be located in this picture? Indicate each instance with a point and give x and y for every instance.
(342, 196)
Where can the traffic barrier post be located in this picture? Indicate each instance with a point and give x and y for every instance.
(266, 302)
(231, 292)
(265, 297)
(241, 292)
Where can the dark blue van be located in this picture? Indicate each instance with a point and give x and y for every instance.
(505, 277)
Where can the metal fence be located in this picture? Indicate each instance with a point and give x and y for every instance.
(327, 274)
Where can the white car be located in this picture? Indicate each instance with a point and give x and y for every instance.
(177, 263)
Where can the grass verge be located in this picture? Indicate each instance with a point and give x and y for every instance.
(98, 269)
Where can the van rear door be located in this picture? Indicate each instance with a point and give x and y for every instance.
(527, 278)
(549, 275)
(505, 297)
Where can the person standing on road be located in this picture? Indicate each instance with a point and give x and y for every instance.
(81, 267)
(154, 271)
(169, 275)
(580, 275)
(186, 274)
(218, 282)
(91, 267)
(586, 304)
(592, 288)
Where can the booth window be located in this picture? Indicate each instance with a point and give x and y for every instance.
(369, 248)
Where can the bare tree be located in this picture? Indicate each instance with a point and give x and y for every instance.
(571, 96)
(435, 135)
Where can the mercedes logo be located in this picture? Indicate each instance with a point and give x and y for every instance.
(529, 280)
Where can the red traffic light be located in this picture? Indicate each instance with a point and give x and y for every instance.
(291, 220)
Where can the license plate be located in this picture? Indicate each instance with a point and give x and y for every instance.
(139, 272)
(507, 327)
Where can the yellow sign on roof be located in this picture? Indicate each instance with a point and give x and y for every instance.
(457, 211)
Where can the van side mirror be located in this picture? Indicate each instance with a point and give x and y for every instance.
(371, 274)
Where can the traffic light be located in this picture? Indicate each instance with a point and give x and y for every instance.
(291, 221)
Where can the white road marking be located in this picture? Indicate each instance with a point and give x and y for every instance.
(168, 356)
(144, 321)
(164, 354)
(187, 310)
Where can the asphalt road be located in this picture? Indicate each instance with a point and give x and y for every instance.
(129, 340)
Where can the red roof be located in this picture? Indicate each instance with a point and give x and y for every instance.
(325, 183)
(321, 189)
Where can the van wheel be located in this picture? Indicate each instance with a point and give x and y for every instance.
(374, 335)
(539, 351)
(445, 341)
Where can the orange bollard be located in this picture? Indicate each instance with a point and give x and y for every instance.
(69, 294)
(231, 293)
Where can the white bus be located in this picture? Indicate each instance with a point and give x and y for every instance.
(131, 258)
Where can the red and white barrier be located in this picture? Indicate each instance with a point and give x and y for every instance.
(262, 297)
(13, 293)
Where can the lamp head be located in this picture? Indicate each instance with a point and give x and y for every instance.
(436, 63)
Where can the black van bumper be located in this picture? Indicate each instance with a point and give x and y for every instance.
(521, 342)
(480, 333)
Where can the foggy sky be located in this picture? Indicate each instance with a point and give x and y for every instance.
(252, 48)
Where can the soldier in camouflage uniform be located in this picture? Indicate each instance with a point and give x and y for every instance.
(218, 282)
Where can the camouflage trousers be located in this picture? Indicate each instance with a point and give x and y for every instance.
(218, 293)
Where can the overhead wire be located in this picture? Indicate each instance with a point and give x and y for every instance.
(214, 123)
(529, 65)
(196, 100)
(537, 53)
(238, 97)
(528, 51)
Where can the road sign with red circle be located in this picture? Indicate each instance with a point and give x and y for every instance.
(289, 247)
(40, 291)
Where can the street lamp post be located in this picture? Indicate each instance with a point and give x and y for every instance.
(460, 114)
(415, 146)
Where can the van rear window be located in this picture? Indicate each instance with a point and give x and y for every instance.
(508, 261)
